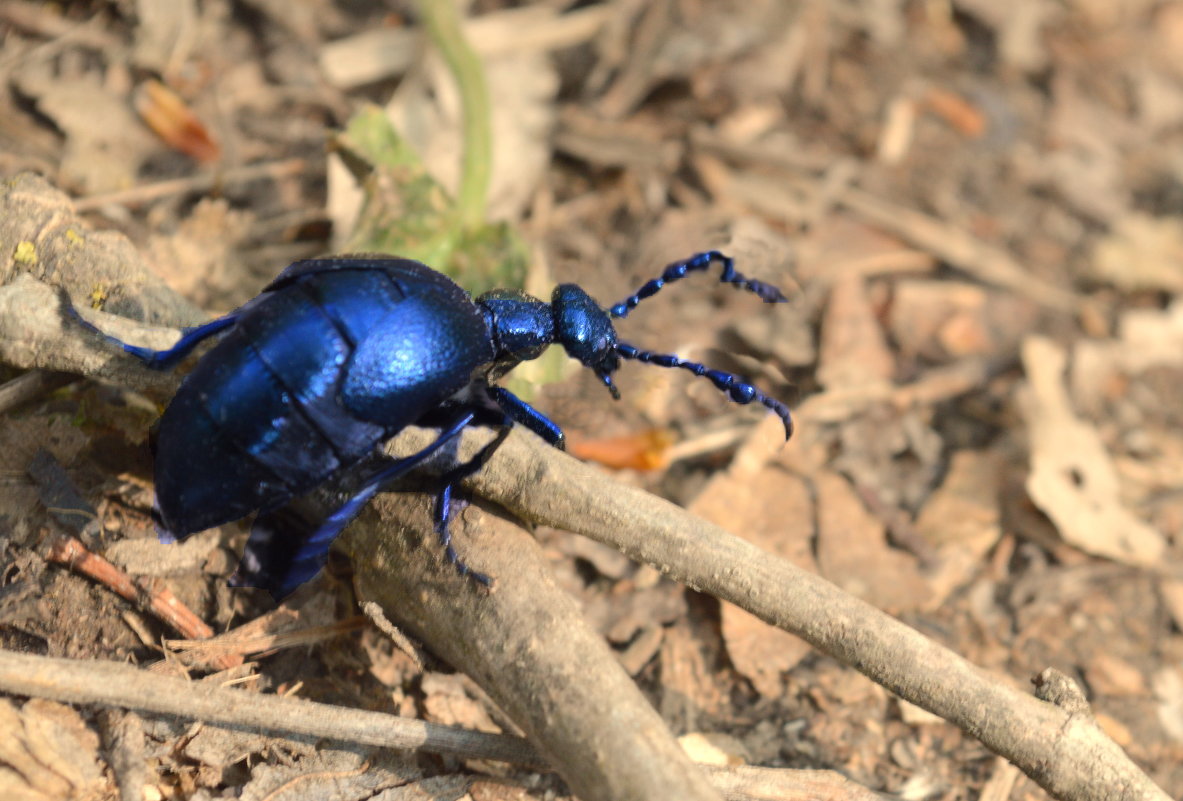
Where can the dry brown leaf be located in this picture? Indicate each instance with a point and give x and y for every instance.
(964, 512)
(1167, 684)
(958, 111)
(837, 244)
(1141, 253)
(200, 259)
(852, 550)
(691, 686)
(1109, 674)
(1167, 42)
(947, 319)
(1172, 596)
(340, 773)
(1086, 164)
(105, 143)
(854, 351)
(1073, 479)
(47, 753)
(1018, 26)
(449, 701)
(771, 508)
(962, 520)
(219, 747)
(1146, 338)
(164, 35)
(758, 650)
(171, 118)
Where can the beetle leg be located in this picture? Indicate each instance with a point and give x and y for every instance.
(443, 502)
(285, 550)
(162, 359)
(441, 518)
(521, 412)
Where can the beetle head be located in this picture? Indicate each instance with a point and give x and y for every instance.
(585, 331)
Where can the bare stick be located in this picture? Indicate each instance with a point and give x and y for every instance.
(149, 593)
(201, 182)
(1063, 750)
(113, 684)
(526, 644)
(119, 685)
(31, 386)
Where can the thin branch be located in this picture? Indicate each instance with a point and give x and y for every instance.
(1063, 750)
(201, 182)
(148, 593)
(31, 386)
(526, 643)
(120, 686)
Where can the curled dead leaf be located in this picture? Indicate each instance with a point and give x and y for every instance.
(1073, 479)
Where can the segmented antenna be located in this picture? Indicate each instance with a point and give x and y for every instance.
(738, 390)
(701, 261)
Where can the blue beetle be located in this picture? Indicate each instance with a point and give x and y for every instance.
(333, 358)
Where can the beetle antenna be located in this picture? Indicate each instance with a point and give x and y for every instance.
(701, 261)
(738, 390)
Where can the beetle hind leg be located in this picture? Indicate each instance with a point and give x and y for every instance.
(159, 359)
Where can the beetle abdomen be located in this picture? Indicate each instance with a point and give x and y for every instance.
(312, 376)
(237, 437)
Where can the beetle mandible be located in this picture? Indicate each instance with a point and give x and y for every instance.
(337, 355)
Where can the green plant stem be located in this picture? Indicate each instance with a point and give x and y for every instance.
(442, 21)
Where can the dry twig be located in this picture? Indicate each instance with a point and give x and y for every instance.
(118, 685)
(111, 684)
(1063, 750)
(525, 643)
(149, 593)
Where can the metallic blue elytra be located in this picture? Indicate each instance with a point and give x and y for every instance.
(337, 355)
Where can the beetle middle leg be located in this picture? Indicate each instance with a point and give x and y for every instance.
(287, 546)
(443, 502)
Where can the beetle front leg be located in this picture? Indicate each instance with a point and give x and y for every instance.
(521, 412)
